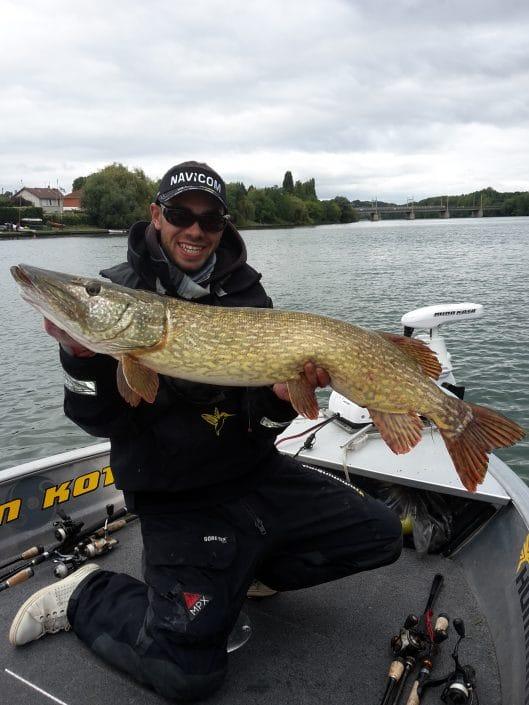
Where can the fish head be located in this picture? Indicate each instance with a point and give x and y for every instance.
(102, 316)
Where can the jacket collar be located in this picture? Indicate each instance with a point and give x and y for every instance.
(145, 258)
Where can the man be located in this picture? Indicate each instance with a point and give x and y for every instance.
(219, 506)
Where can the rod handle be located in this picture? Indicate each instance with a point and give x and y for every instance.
(413, 698)
(32, 552)
(18, 578)
(112, 526)
(396, 669)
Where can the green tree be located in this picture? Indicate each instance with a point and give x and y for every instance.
(306, 190)
(240, 207)
(115, 197)
(316, 211)
(332, 212)
(264, 207)
(347, 212)
(79, 182)
(288, 182)
(293, 210)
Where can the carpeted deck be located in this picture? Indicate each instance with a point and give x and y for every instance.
(328, 644)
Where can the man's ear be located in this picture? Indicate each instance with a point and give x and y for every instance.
(156, 215)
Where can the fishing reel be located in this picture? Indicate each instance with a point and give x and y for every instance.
(461, 683)
(96, 546)
(64, 565)
(409, 641)
(460, 686)
(66, 528)
(85, 550)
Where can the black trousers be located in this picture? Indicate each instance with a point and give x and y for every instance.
(300, 527)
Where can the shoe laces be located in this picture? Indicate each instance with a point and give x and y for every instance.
(56, 621)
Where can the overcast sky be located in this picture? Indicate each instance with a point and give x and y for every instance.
(389, 99)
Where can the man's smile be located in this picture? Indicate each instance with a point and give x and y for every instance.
(191, 248)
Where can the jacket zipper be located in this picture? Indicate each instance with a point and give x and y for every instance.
(336, 479)
(256, 520)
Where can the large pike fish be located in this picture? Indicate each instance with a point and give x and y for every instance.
(388, 374)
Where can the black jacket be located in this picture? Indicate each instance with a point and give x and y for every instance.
(197, 443)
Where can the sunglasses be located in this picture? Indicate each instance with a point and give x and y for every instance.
(183, 218)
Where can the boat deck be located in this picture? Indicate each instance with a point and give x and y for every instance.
(327, 644)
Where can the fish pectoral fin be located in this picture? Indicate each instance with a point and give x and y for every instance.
(136, 382)
(302, 397)
(126, 392)
(400, 431)
(418, 351)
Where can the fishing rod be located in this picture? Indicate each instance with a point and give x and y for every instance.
(74, 546)
(434, 634)
(67, 532)
(440, 634)
(406, 645)
(28, 553)
(412, 640)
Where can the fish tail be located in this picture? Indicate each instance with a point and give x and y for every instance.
(470, 433)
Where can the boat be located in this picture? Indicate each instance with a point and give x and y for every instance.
(330, 643)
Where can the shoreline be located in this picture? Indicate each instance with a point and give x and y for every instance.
(96, 232)
(36, 234)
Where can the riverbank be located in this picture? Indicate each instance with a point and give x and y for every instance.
(65, 232)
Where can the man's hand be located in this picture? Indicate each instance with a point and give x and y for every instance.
(316, 376)
(67, 342)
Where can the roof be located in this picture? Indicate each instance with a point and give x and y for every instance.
(42, 192)
(75, 194)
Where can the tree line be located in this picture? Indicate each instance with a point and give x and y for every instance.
(115, 197)
(508, 203)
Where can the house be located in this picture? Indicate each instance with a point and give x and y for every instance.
(51, 200)
(72, 201)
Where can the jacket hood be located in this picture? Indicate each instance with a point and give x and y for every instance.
(231, 274)
(231, 255)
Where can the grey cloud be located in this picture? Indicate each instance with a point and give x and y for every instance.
(143, 83)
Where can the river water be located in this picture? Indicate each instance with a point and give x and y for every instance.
(365, 273)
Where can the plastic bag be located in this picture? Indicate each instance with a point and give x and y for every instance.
(430, 515)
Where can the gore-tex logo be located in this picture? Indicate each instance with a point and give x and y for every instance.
(195, 603)
(221, 539)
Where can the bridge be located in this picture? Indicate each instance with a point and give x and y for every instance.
(375, 212)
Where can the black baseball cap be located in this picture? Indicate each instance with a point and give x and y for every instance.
(191, 176)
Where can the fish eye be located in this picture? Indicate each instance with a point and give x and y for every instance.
(93, 288)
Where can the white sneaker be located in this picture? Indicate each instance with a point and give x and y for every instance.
(259, 589)
(45, 611)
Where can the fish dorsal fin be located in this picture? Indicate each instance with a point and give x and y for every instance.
(418, 351)
(136, 382)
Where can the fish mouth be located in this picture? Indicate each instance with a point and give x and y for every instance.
(20, 275)
(48, 292)
(36, 288)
